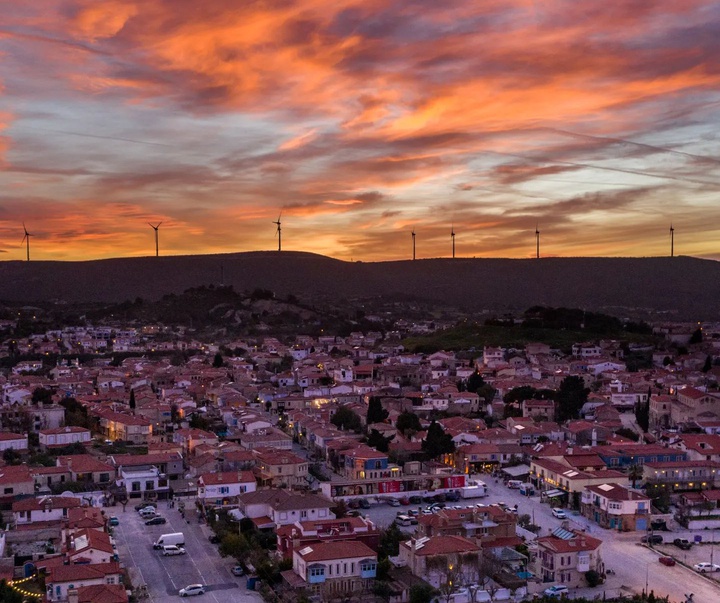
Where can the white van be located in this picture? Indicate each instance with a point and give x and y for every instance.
(514, 484)
(172, 549)
(405, 520)
(176, 538)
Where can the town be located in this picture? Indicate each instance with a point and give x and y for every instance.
(146, 461)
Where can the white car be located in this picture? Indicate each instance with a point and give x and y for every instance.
(556, 591)
(172, 549)
(192, 589)
(559, 513)
(706, 567)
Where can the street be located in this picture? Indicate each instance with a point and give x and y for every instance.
(164, 576)
(634, 564)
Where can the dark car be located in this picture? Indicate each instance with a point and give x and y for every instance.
(364, 503)
(354, 504)
(659, 524)
(156, 521)
(653, 539)
(683, 543)
(214, 539)
(667, 561)
(453, 496)
(416, 500)
(238, 571)
(440, 497)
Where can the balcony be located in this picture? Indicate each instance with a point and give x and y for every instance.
(583, 563)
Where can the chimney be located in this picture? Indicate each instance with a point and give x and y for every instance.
(72, 595)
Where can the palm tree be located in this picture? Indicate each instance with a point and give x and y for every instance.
(635, 472)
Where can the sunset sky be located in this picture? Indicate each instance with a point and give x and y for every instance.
(360, 120)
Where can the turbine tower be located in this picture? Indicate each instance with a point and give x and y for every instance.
(537, 242)
(452, 236)
(672, 241)
(155, 228)
(279, 232)
(413, 237)
(26, 240)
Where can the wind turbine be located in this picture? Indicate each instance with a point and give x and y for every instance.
(537, 242)
(279, 232)
(672, 241)
(155, 228)
(452, 236)
(26, 240)
(413, 237)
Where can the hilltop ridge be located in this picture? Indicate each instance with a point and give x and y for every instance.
(684, 288)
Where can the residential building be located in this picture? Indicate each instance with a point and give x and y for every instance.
(429, 557)
(334, 569)
(44, 509)
(125, 427)
(13, 441)
(565, 556)
(292, 537)
(275, 507)
(90, 546)
(61, 578)
(15, 481)
(616, 507)
(223, 488)
(680, 476)
(63, 436)
(87, 469)
(280, 468)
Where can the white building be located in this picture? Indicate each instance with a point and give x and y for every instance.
(225, 486)
(14, 441)
(63, 436)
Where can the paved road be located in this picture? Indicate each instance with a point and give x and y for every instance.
(164, 576)
(621, 552)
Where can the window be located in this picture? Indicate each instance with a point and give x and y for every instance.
(135, 487)
(149, 485)
(224, 489)
(8, 490)
(318, 571)
(110, 580)
(303, 514)
(104, 477)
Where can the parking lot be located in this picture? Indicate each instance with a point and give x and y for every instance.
(164, 576)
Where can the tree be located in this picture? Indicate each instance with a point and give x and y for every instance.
(390, 539)
(9, 595)
(422, 593)
(234, 545)
(642, 412)
(218, 360)
(570, 397)
(11, 456)
(376, 413)
(41, 395)
(635, 472)
(697, 336)
(408, 422)
(132, 399)
(593, 578)
(708, 364)
(346, 419)
(437, 442)
(475, 382)
(379, 441)
(518, 394)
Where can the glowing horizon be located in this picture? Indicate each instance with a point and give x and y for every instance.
(360, 122)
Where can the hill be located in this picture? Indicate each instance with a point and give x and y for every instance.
(683, 288)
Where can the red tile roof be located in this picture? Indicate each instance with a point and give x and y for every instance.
(344, 549)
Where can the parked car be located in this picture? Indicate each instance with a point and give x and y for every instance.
(364, 503)
(413, 512)
(404, 500)
(156, 521)
(704, 566)
(416, 500)
(214, 539)
(353, 504)
(114, 521)
(556, 591)
(559, 513)
(652, 539)
(238, 571)
(144, 505)
(170, 550)
(192, 589)
(148, 512)
(440, 497)
(683, 543)
(669, 561)
(394, 502)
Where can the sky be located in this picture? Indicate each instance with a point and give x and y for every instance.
(356, 122)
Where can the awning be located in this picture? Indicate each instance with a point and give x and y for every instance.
(552, 493)
(516, 471)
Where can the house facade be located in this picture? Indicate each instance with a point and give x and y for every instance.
(616, 507)
(564, 557)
